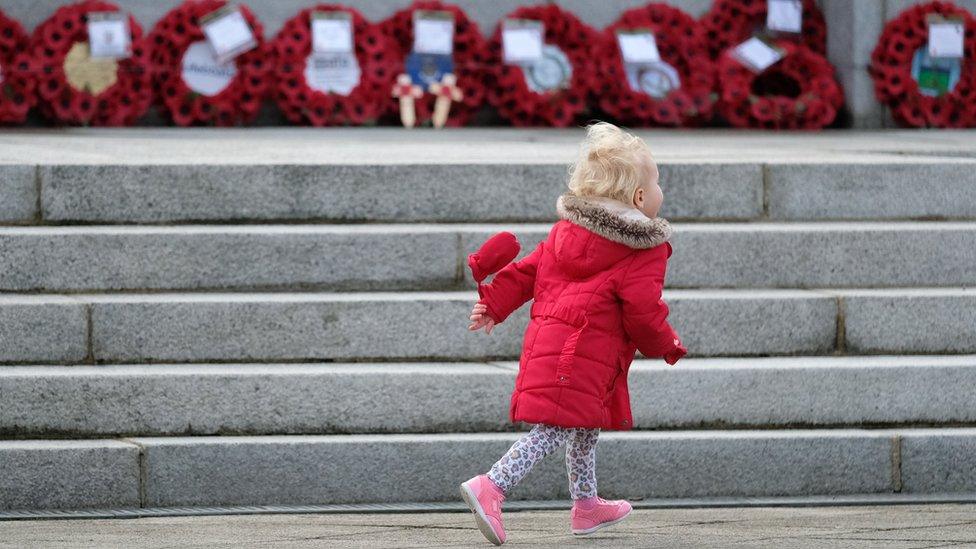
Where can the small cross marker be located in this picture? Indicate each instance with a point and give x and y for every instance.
(447, 92)
(407, 92)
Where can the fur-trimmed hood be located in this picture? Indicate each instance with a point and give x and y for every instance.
(614, 221)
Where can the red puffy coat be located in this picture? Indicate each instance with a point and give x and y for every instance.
(597, 282)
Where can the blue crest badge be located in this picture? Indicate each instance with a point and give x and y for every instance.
(428, 68)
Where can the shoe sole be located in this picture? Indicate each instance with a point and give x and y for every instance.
(600, 526)
(479, 515)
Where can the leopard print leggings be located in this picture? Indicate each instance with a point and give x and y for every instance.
(541, 441)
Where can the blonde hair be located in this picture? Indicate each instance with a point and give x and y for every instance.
(612, 163)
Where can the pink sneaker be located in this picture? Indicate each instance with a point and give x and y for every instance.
(591, 514)
(485, 500)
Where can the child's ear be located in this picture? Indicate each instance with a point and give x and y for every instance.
(639, 197)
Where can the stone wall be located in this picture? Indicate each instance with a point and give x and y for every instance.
(853, 28)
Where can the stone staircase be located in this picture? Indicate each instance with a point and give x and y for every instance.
(195, 318)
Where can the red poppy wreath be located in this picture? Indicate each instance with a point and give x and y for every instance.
(798, 92)
(195, 86)
(343, 83)
(674, 86)
(731, 22)
(17, 81)
(553, 90)
(422, 87)
(74, 86)
(920, 90)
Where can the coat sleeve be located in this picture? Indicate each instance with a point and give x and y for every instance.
(511, 287)
(645, 314)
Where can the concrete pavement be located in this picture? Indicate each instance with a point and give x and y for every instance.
(889, 527)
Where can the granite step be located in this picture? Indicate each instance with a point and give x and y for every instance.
(419, 326)
(271, 399)
(230, 470)
(161, 176)
(433, 256)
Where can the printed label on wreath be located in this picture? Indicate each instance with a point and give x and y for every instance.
(203, 73)
(946, 37)
(426, 69)
(433, 32)
(655, 79)
(638, 46)
(522, 41)
(332, 72)
(86, 74)
(935, 76)
(332, 32)
(756, 54)
(108, 35)
(784, 15)
(552, 72)
(228, 33)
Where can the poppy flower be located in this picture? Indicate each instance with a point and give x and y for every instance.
(763, 110)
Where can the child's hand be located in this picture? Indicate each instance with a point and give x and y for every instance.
(480, 319)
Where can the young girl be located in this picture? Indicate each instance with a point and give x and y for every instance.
(596, 281)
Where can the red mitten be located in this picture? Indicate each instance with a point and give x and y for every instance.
(493, 255)
(675, 354)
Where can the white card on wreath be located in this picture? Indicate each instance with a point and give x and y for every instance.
(946, 38)
(522, 41)
(638, 47)
(333, 72)
(203, 73)
(332, 32)
(228, 33)
(108, 35)
(784, 15)
(756, 54)
(433, 32)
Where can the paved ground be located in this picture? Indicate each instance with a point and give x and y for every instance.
(471, 145)
(889, 527)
